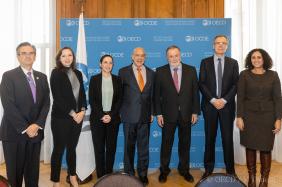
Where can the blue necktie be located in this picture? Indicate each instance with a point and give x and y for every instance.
(219, 77)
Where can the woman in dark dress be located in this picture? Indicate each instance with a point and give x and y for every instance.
(258, 112)
(67, 113)
(105, 94)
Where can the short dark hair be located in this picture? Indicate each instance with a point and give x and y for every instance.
(219, 36)
(267, 61)
(59, 64)
(172, 47)
(104, 56)
(23, 44)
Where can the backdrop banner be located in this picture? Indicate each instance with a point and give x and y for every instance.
(118, 37)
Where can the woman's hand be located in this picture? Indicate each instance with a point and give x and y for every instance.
(277, 126)
(78, 117)
(240, 123)
(106, 118)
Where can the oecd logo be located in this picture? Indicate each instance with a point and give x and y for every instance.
(121, 39)
(213, 22)
(70, 22)
(196, 38)
(156, 134)
(113, 54)
(138, 23)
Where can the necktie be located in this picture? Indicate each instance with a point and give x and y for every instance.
(219, 77)
(32, 86)
(175, 79)
(140, 79)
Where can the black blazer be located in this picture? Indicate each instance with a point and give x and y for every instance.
(95, 99)
(168, 102)
(19, 108)
(136, 105)
(207, 81)
(63, 98)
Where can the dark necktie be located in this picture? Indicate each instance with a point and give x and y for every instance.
(32, 86)
(175, 79)
(219, 77)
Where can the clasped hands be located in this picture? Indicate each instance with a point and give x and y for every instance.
(218, 103)
(32, 130)
(78, 117)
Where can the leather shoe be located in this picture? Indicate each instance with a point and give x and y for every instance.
(206, 174)
(144, 180)
(162, 178)
(188, 177)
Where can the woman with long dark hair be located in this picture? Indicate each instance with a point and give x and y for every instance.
(67, 115)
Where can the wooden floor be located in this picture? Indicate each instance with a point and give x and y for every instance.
(174, 179)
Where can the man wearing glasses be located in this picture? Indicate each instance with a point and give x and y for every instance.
(25, 99)
(218, 84)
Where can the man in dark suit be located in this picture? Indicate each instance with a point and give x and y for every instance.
(25, 99)
(137, 112)
(218, 84)
(177, 105)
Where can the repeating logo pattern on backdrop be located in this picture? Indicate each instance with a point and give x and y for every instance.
(118, 37)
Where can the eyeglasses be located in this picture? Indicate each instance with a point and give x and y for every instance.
(26, 53)
(220, 43)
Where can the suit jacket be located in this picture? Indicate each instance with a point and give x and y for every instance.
(168, 102)
(207, 81)
(136, 105)
(63, 98)
(20, 111)
(95, 99)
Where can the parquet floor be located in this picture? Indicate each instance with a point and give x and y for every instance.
(174, 179)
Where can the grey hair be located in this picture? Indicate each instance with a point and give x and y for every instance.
(23, 44)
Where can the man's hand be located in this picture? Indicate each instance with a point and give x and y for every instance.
(32, 130)
(218, 104)
(160, 120)
(194, 119)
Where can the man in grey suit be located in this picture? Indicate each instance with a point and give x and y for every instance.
(137, 112)
(25, 99)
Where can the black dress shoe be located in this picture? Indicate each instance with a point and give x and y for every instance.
(162, 178)
(188, 177)
(144, 180)
(206, 174)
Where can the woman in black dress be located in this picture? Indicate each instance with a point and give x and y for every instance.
(258, 112)
(105, 94)
(68, 110)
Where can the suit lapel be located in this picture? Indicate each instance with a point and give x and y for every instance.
(183, 73)
(99, 86)
(37, 81)
(169, 76)
(225, 70)
(148, 78)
